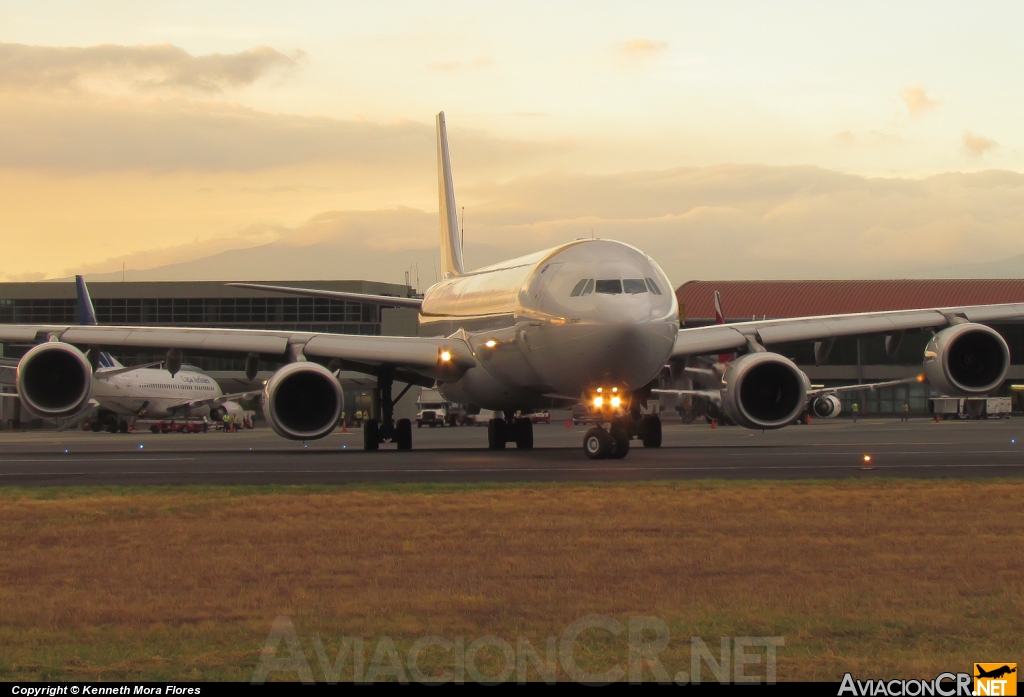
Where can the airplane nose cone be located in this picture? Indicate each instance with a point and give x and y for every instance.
(575, 357)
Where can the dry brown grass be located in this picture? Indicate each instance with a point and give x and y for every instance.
(893, 578)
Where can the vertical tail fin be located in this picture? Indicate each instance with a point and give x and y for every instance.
(720, 319)
(87, 318)
(451, 244)
(86, 313)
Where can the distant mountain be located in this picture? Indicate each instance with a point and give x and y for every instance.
(1004, 268)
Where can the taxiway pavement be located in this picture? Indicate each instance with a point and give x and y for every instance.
(822, 450)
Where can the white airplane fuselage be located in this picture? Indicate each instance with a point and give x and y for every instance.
(150, 393)
(544, 327)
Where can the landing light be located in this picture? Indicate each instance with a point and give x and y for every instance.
(616, 401)
(867, 458)
(490, 343)
(598, 402)
(446, 356)
(615, 389)
(599, 390)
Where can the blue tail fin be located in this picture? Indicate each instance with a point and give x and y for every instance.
(86, 313)
(87, 318)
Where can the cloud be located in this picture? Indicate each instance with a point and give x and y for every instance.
(452, 66)
(846, 137)
(641, 48)
(723, 222)
(917, 100)
(153, 67)
(976, 146)
(89, 133)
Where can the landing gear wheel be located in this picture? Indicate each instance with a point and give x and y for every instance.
(403, 434)
(597, 444)
(524, 434)
(371, 435)
(650, 431)
(96, 426)
(621, 439)
(122, 426)
(496, 434)
(154, 429)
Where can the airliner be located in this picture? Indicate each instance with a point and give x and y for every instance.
(591, 320)
(121, 394)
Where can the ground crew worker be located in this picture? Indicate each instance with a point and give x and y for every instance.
(227, 421)
(856, 408)
(906, 411)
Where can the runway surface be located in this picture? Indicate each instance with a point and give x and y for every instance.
(822, 450)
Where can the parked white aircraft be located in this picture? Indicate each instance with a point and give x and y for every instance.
(120, 394)
(592, 320)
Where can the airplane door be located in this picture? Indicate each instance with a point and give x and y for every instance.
(540, 288)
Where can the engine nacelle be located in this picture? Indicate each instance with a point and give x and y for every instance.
(764, 390)
(55, 380)
(827, 406)
(303, 401)
(966, 359)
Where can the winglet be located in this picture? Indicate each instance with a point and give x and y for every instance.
(86, 314)
(451, 245)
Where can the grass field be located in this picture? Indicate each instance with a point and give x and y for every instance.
(892, 578)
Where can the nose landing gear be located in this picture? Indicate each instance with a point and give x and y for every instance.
(599, 443)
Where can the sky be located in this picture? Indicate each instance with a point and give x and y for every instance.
(729, 139)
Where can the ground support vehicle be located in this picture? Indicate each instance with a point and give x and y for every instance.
(971, 407)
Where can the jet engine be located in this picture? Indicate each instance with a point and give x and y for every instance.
(966, 359)
(764, 390)
(827, 406)
(55, 380)
(303, 401)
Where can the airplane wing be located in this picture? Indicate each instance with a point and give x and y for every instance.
(865, 386)
(425, 359)
(721, 337)
(334, 295)
(713, 396)
(210, 401)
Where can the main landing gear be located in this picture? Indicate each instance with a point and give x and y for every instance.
(386, 429)
(599, 444)
(510, 429)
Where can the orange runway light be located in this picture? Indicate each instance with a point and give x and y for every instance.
(868, 463)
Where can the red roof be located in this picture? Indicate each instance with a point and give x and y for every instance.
(746, 299)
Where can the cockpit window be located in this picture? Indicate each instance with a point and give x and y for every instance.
(584, 287)
(610, 287)
(634, 286)
(653, 286)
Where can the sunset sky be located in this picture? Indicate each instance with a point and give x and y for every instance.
(729, 140)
